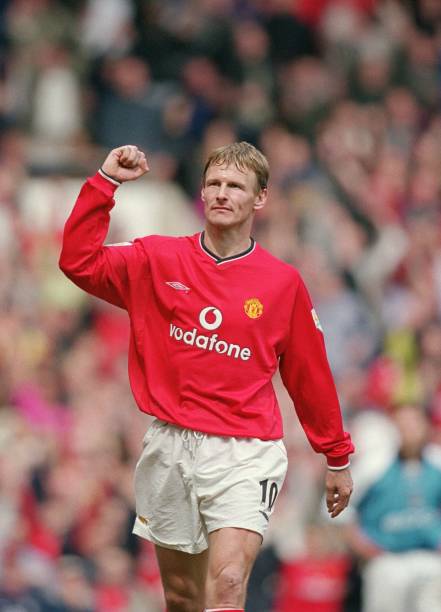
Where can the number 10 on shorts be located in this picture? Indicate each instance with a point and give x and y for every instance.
(269, 494)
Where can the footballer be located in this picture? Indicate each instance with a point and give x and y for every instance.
(212, 316)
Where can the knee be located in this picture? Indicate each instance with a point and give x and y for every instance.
(179, 602)
(229, 584)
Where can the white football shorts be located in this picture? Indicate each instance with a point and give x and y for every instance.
(188, 484)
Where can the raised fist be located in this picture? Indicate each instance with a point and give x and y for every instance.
(125, 163)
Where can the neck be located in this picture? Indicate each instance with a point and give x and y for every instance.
(226, 243)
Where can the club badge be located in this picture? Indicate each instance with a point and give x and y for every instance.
(253, 308)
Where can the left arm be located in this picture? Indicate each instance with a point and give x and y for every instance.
(307, 376)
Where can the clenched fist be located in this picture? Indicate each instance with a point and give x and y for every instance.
(125, 163)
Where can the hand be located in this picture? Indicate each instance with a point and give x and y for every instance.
(338, 490)
(125, 163)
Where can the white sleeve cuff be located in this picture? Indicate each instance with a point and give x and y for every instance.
(339, 468)
(109, 178)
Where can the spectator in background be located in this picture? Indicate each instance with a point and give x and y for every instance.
(397, 530)
(32, 26)
(315, 580)
(130, 107)
(56, 114)
(289, 37)
(352, 333)
(208, 92)
(308, 90)
(429, 375)
(118, 33)
(374, 70)
(313, 12)
(252, 48)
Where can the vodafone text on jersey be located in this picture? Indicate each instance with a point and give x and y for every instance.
(210, 318)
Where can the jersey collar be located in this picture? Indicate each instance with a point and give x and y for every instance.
(221, 260)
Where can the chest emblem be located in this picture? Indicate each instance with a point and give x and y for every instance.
(253, 308)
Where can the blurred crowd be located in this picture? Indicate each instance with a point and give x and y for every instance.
(344, 98)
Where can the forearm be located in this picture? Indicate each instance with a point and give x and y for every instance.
(318, 410)
(361, 544)
(307, 376)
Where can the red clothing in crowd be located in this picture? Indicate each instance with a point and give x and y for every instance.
(312, 585)
(312, 12)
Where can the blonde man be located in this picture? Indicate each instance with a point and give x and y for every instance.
(212, 318)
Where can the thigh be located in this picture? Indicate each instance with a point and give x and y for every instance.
(183, 576)
(232, 553)
(238, 481)
(167, 510)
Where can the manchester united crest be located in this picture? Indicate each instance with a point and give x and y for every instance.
(253, 308)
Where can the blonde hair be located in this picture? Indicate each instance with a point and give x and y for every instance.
(244, 156)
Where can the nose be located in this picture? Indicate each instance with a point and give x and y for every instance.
(221, 194)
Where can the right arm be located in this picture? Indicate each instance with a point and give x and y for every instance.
(360, 544)
(99, 270)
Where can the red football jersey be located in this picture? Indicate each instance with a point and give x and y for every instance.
(207, 334)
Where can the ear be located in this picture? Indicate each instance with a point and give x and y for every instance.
(260, 200)
(202, 194)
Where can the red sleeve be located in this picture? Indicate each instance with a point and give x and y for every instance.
(307, 376)
(103, 271)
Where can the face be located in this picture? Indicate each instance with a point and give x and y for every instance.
(231, 196)
(413, 429)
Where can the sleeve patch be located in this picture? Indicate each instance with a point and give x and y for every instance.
(316, 320)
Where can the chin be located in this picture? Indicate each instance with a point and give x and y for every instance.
(217, 221)
(221, 226)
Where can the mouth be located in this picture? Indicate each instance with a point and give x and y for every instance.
(221, 209)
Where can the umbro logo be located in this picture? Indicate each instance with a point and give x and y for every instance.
(177, 285)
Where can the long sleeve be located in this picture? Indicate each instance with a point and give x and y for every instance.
(100, 270)
(307, 376)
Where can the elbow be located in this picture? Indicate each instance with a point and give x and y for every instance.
(76, 268)
(62, 263)
(70, 266)
(65, 266)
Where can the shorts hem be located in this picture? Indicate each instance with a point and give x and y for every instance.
(234, 525)
(144, 532)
